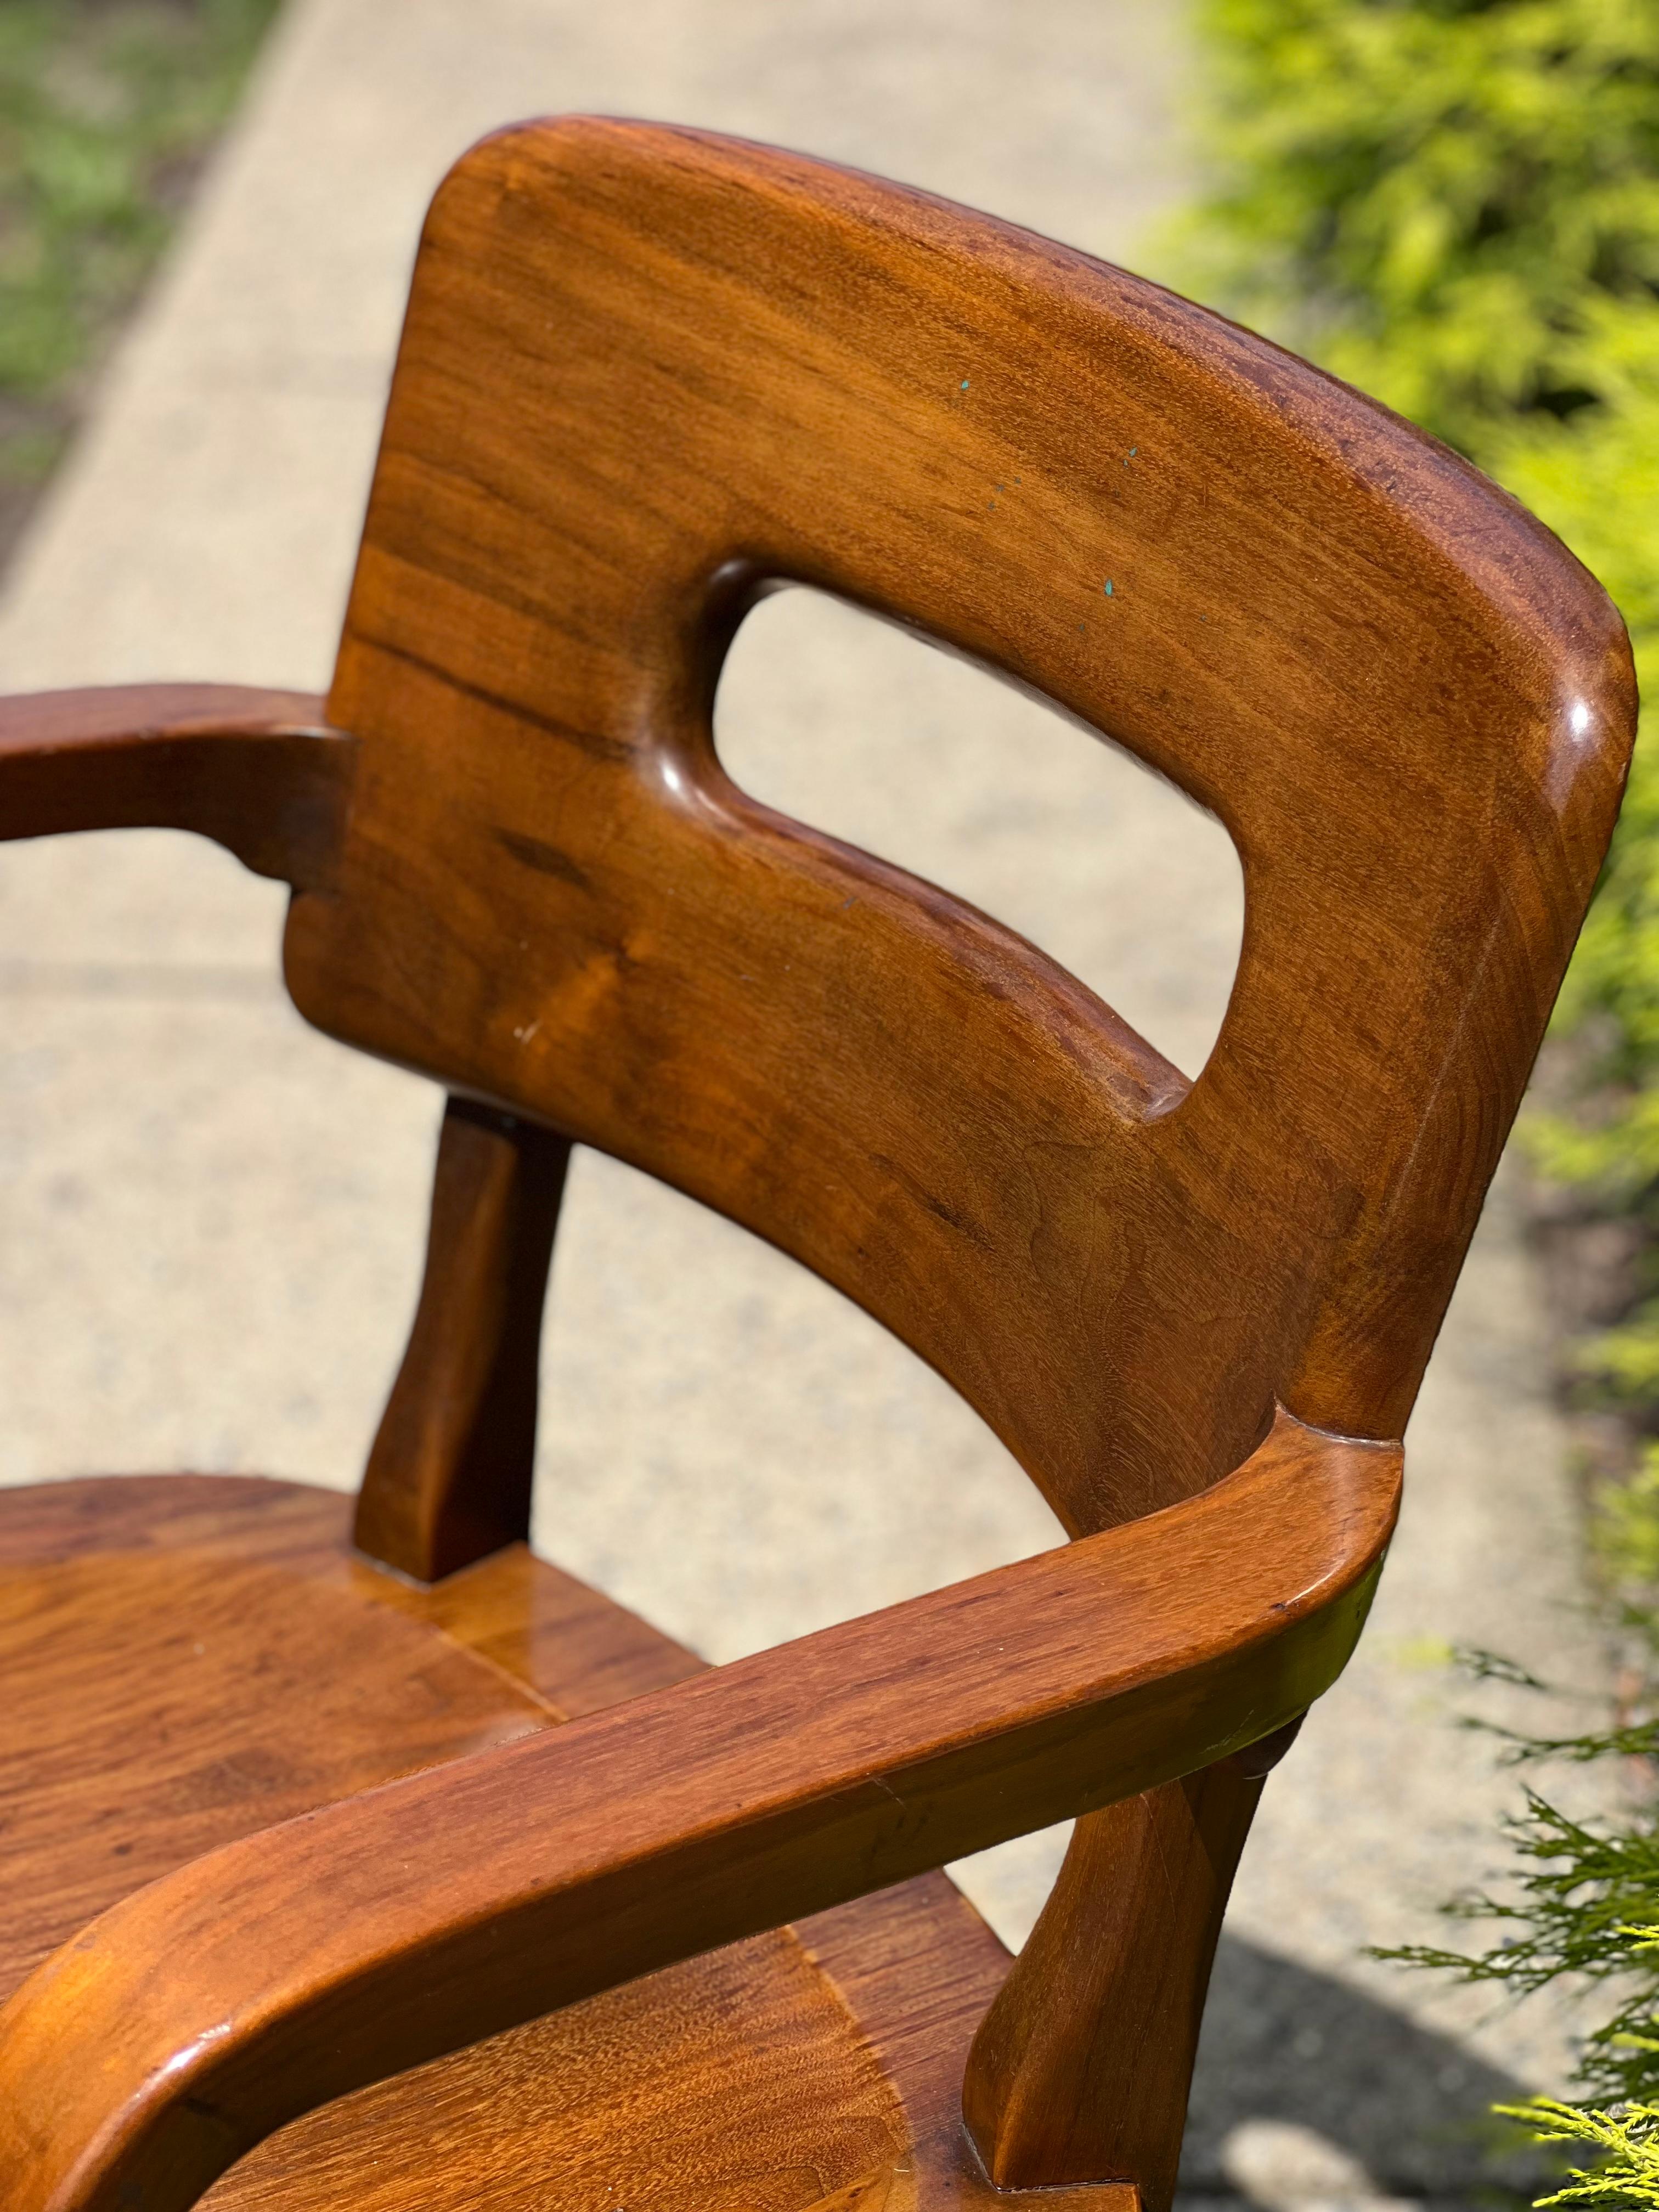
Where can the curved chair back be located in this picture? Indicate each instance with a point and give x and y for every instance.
(648, 374)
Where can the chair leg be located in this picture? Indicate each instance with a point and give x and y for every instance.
(448, 1475)
(1081, 2069)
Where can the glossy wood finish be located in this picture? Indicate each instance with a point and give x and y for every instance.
(578, 1651)
(448, 1479)
(743, 2072)
(647, 372)
(797, 2064)
(259, 771)
(915, 1965)
(817, 2066)
(581, 1652)
(1082, 2069)
(188, 1660)
(647, 375)
(1083, 2065)
(323, 1697)
(1409, 708)
(197, 2017)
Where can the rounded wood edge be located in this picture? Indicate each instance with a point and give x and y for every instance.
(204, 2013)
(261, 772)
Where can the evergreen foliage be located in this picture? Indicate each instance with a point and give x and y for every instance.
(1454, 205)
(1582, 1906)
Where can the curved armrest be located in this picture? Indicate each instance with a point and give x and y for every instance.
(285, 1970)
(258, 771)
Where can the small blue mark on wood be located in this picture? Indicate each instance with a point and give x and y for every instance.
(964, 384)
(1108, 588)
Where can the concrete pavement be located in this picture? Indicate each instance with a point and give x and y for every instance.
(213, 1218)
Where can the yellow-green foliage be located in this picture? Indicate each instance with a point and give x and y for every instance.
(1626, 2170)
(1578, 1908)
(1455, 204)
(1625, 1536)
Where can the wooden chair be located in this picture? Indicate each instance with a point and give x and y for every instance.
(393, 1867)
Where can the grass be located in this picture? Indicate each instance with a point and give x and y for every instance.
(108, 109)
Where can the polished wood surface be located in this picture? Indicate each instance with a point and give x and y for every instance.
(259, 771)
(581, 1652)
(741, 2077)
(820, 2066)
(1083, 2063)
(195, 2018)
(576, 1649)
(190, 1659)
(322, 1695)
(449, 1475)
(916, 1965)
(797, 2066)
(1410, 707)
(647, 375)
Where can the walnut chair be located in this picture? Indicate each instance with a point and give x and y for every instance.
(380, 1864)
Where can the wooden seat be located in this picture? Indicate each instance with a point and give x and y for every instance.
(194, 1657)
(359, 1857)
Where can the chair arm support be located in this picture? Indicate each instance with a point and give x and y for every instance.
(285, 1970)
(259, 772)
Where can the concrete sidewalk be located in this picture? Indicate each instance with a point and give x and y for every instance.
(213, 1219)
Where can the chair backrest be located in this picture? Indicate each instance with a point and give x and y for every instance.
(648, 372)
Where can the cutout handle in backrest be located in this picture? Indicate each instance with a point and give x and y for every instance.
(646, 371)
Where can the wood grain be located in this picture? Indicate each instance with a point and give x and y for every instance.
(647, 375)
(837, 2046)
(449, 1476)
(1082, 2069)
(196, 2018)
(244, 1695)
(258, 771)
(737, 2079)
(578, 1651)
(917, 1968)
(581, 1652)
(1083, 2063)
(814, 2067)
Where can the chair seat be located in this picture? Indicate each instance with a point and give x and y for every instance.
(191, 1658)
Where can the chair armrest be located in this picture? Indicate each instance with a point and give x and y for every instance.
(285, 1970)
(258, 771)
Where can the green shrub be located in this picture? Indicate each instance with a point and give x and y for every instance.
(1455, 204)
(1580, 1907)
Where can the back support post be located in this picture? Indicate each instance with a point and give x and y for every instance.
(449, 1475)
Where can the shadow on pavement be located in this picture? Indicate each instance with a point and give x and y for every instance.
(1304, 2052)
